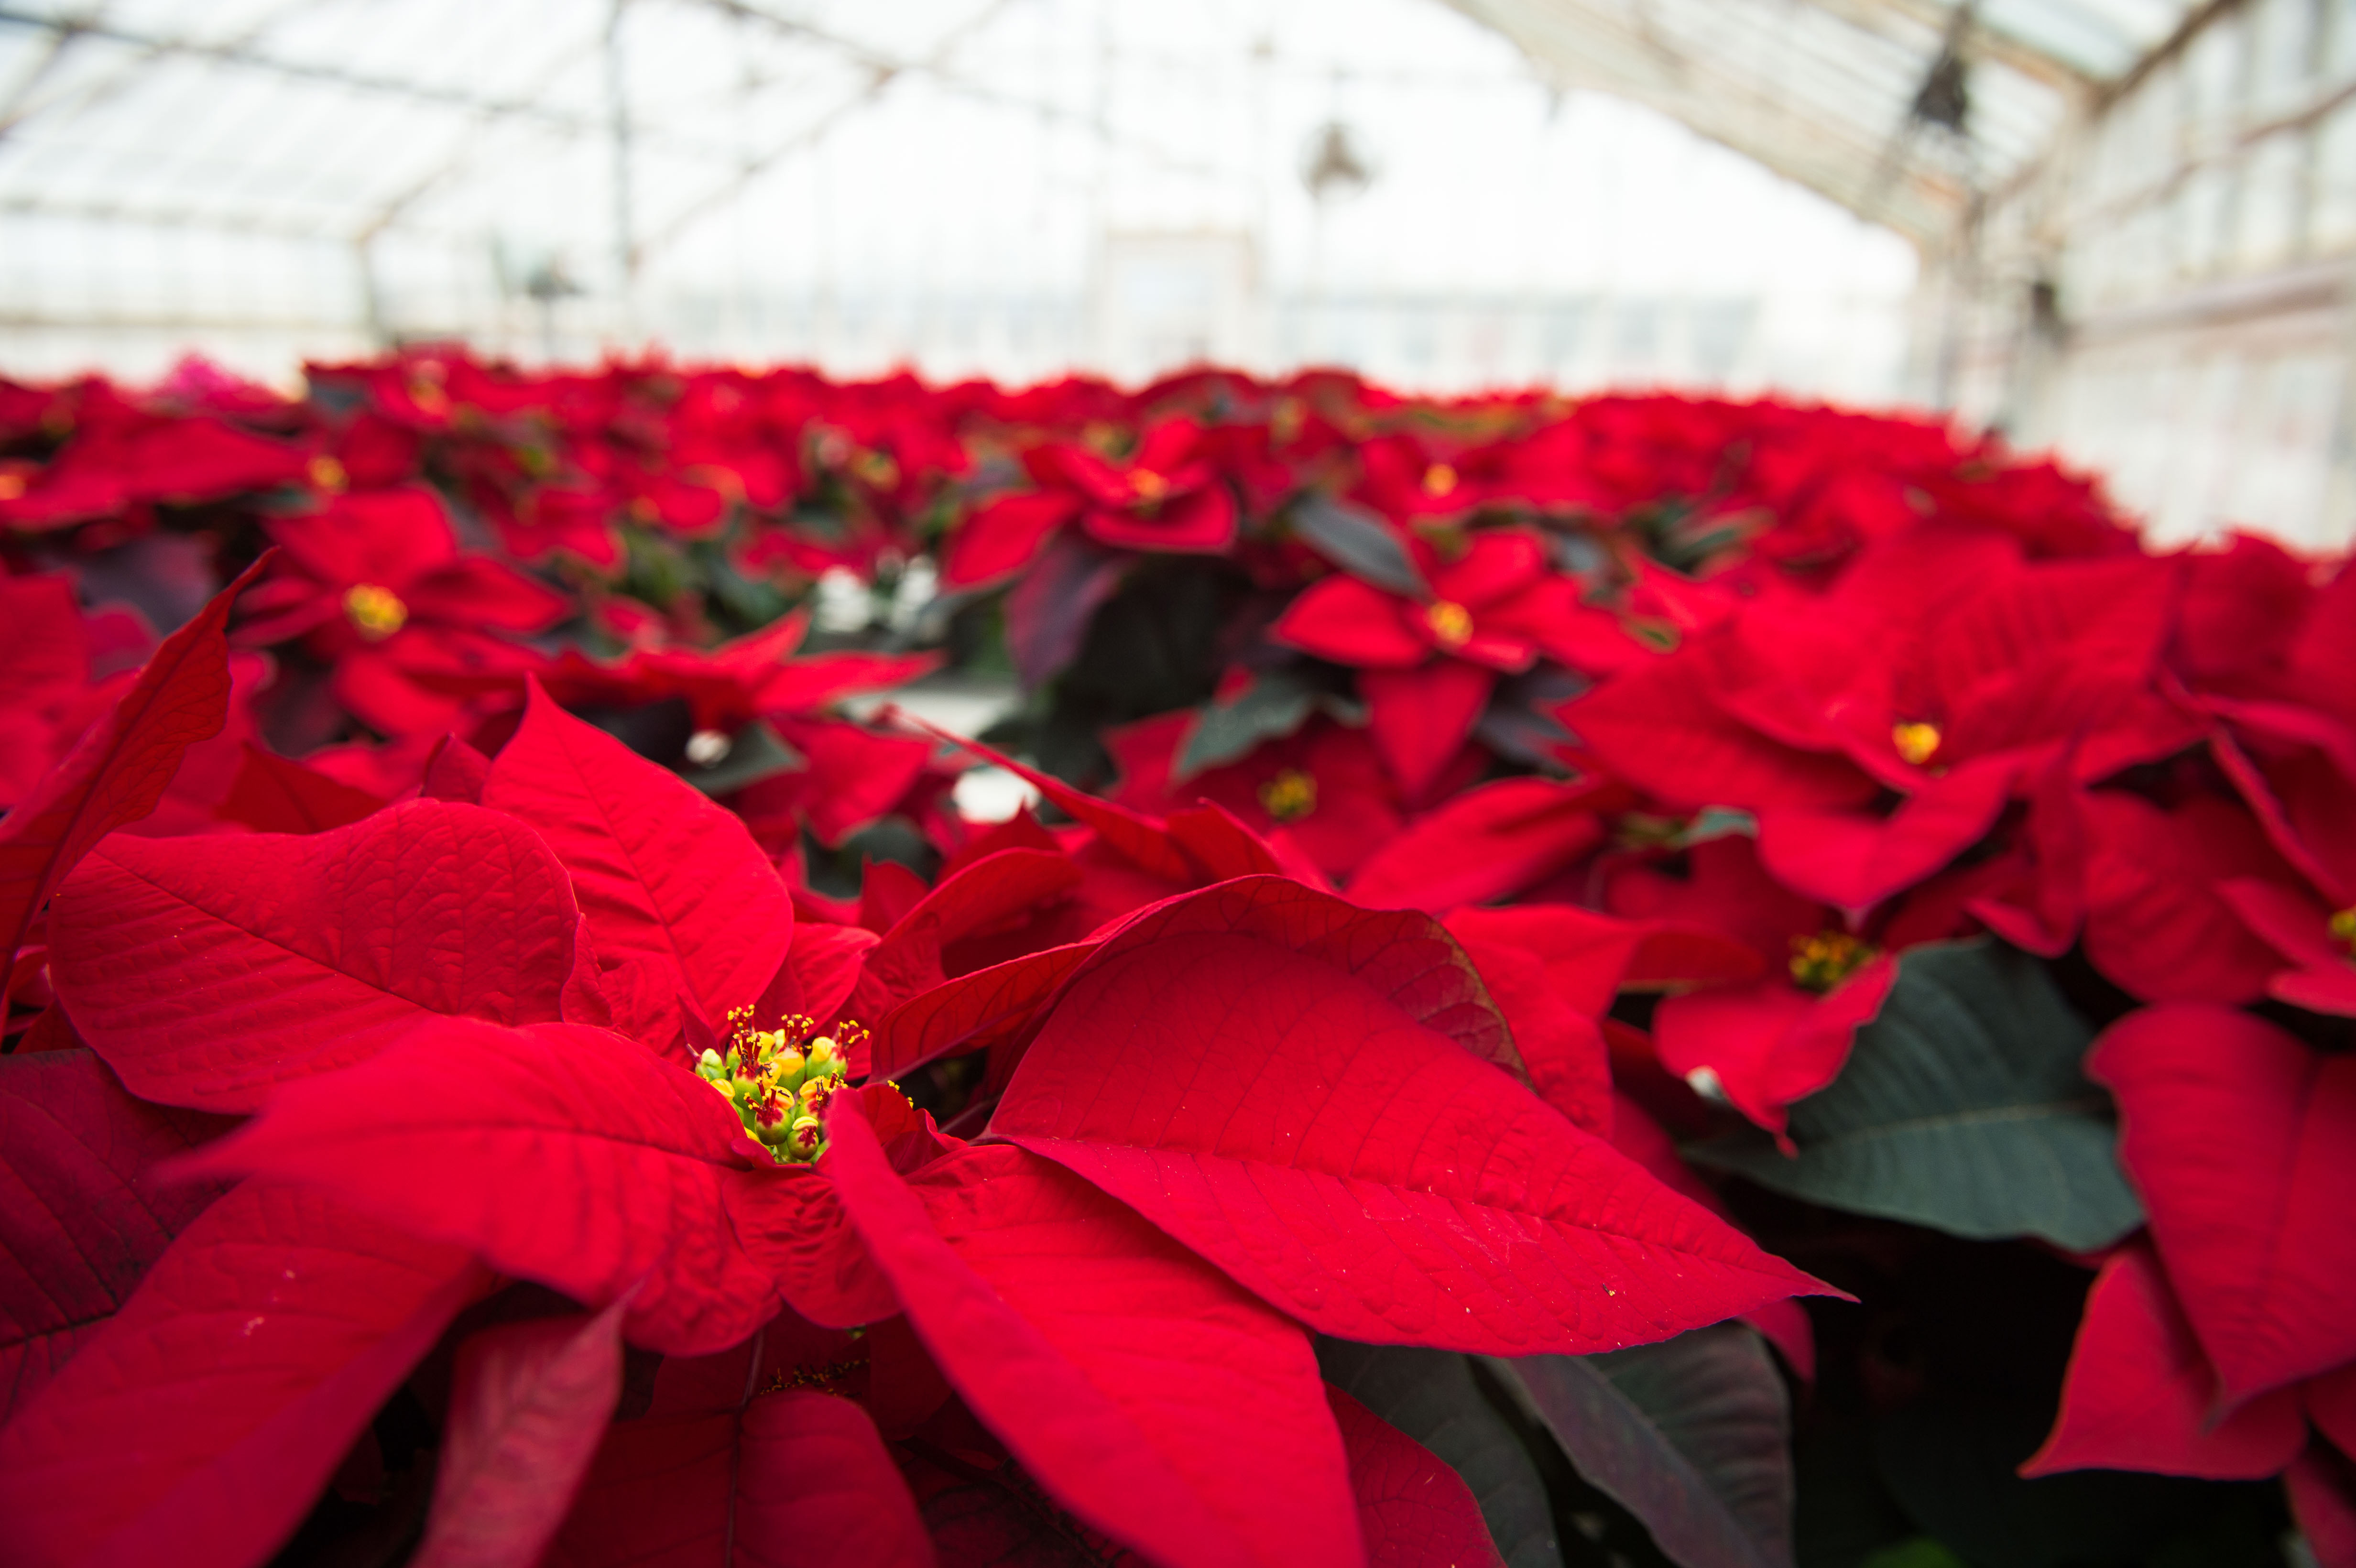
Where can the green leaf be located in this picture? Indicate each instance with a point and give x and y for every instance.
(1962, 1108)
(1953, 1467)
(1357, 541)
(1274, 705)
(1692, 1436)
(1431, 1397)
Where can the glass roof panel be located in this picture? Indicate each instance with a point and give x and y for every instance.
(407, 167)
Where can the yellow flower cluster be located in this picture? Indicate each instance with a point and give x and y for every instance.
(779, 1080)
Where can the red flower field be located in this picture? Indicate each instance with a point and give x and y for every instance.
(1653, 980)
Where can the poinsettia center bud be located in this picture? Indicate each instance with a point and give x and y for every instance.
(878, 469)
(1450, 622)
(1147, 486)
(1823, 961)
(779, 1080)
(375, 612)
(12, 486)
(326, 473)
(1439, 480)
(1916, 741)
(2343, 929)
(425, 390)
(1290, 795)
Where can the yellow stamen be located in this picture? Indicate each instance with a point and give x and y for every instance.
(878, 469)
(1290, 795)
(1439, 480)
(1449, 621)
(326, 473)
(1916, 741)
(1148, 486)
(2343, 928)
(376, 612)
(12, 486)
(779, 1080)
(1823, 961)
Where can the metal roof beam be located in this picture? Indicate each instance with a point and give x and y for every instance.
(245, 57)
(1837, 160)
(1982, 41)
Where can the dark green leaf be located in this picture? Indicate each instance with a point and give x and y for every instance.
(1519, 723)
(1431, 1397)
(1951, 1467)
(1357, 541)
(1962, 1108)
(1273, 706)
(1693, 1436)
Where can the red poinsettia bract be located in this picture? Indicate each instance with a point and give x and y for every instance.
(484, 1039)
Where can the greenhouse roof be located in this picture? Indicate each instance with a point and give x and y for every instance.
(1849, 96)
(345, 114)
(385, 169)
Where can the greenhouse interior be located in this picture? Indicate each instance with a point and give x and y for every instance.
(1265, 784)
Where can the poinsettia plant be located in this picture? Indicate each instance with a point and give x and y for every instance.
(1653, 979)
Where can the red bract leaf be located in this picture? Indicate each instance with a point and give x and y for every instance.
(2155, 923)
(1854, 861)
(45, 670)
(198, 1427)
(2331, 1405)
(2242, 1140)
(663, 874)
(1589, 956)
(888, 891)
(2141, 1396)
(1223, 847)
(1154, 1399)
(1656, 727)
(1492, 840)
(2322, 1487)
(998, 889)
(1768, 1043)
(792, 1480)
(819, 973)
(206, 971)
(850, 777)
(118, 769)
(821, 1488)
(1415, 1511)
(1564, 1050)
(627, 1160)
(1420, 718)
(1407, 958)
(971, 1012)
(1634, 1132)
(456, 772)
(1283, 1115)
(80, 1222)
(1352, 622)
(796, 1229)
(528, 1402)
(1001, 535)
(1139, 840)
(272, 795)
